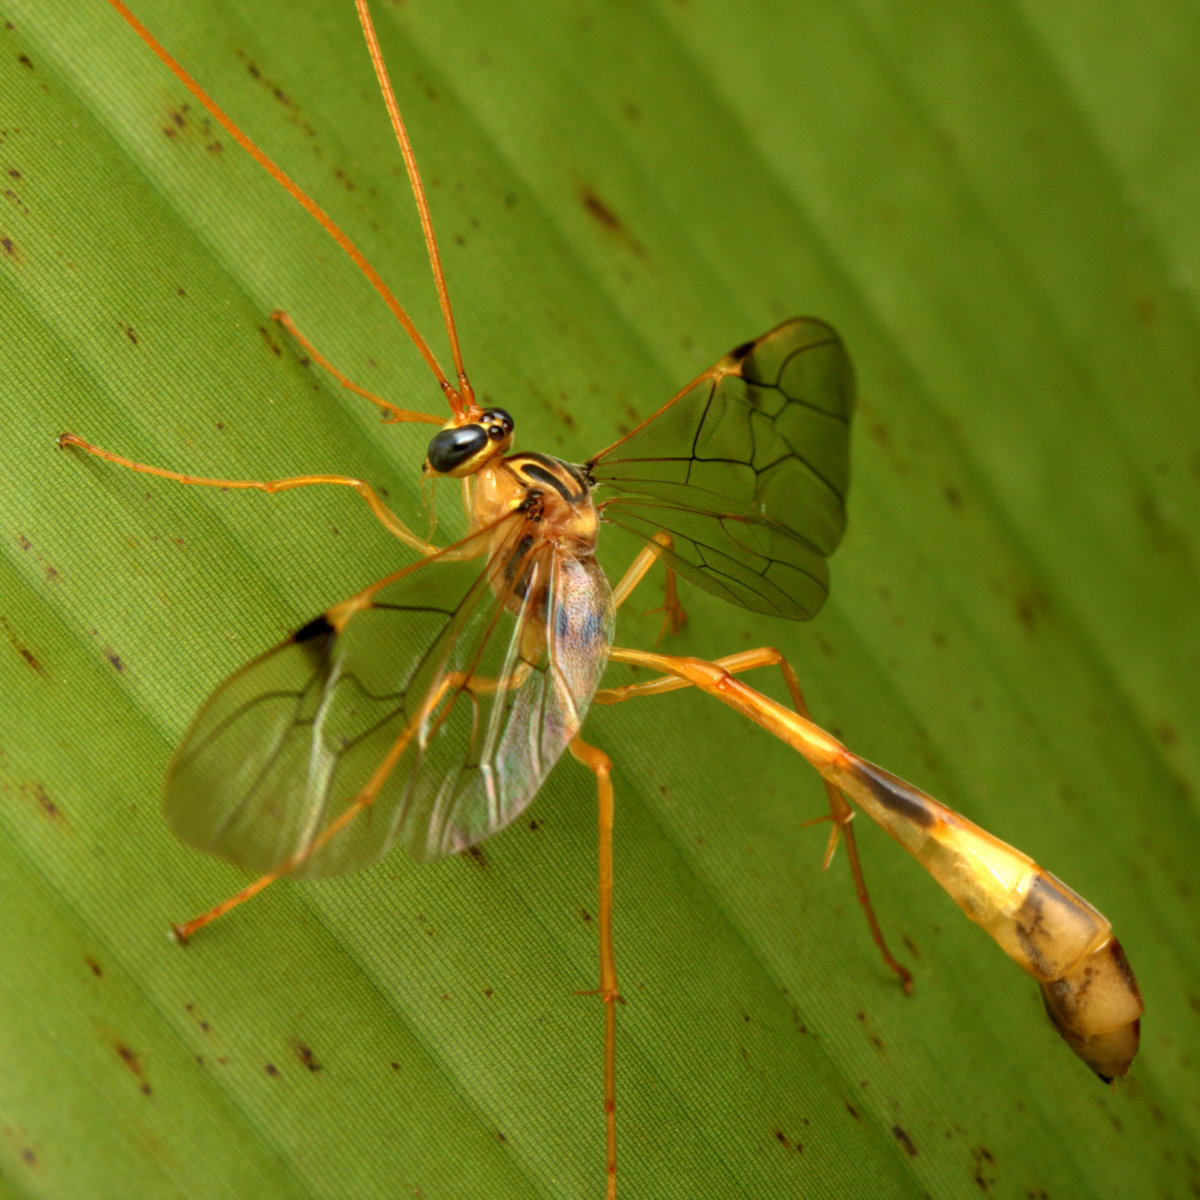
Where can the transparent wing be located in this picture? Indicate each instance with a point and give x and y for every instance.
(747, 470)
(436, 720)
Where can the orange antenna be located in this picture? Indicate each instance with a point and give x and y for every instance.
(456, 400)
(466, 392)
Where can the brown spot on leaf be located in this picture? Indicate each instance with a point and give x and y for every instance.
(783, 1139)
(604, 216)
(23, 650)
(130, 1058)
(38, 794)
(307, 1058)
(901, 1135)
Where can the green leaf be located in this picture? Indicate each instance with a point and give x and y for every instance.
(994, 205)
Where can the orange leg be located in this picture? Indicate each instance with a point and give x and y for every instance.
(386, 517)
(392, 414)
(840, 812)
(674, 616)
(600, 765)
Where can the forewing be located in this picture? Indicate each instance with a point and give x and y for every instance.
(445, 695)
(747, 469)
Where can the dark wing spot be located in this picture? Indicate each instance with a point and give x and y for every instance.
(318, 627)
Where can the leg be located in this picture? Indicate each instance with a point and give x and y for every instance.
(392, 414)
(386, 517)
(840, 812)
(674, 616)
(600, 765)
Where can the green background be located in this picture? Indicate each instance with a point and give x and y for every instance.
(996, 206)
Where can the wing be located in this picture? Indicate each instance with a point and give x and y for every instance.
(747, 470)
(400, 715)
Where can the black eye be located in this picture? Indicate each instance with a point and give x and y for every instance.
(451, 448)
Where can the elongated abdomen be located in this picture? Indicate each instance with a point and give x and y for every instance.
(1067, 945)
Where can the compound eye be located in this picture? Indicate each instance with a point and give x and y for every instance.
(452, 449)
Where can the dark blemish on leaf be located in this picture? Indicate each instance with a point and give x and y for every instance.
(275, 350)
(900, 1134)
(271, 1069)
(587, 916)
(478, 857)
(394, 1065)
(604, 216)
(953, 497)
(1167, 734)
(983, 1163)
(93, 966)
(852, 1111)
(599, 209)
(500, 1137)
(9, 248)
(307, 1058)
(25, 61)
(23, 650)
(1031, 606)
(131, 334)
(883, 438)
(114, 658)
(274, 88)
(785, 1142)
(28, 1157)
(37, 792)
(533, 825)
(51, 572)
(129, 1057)
(487, 993)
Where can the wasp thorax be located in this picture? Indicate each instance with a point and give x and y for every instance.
(462, 449)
